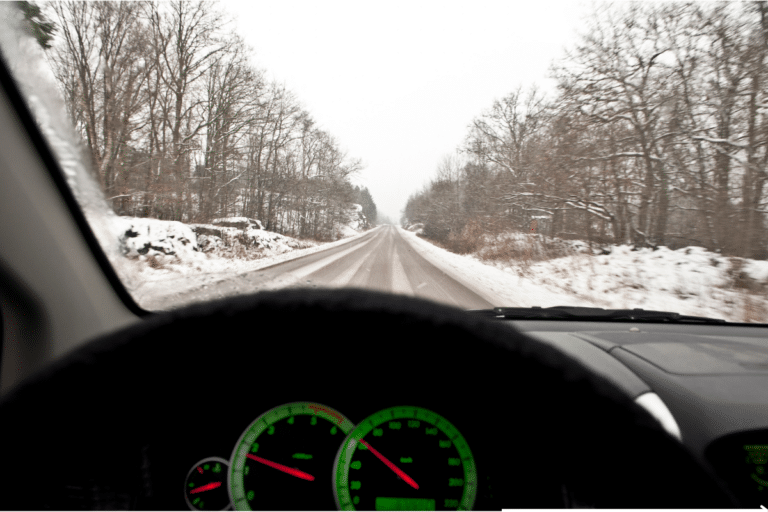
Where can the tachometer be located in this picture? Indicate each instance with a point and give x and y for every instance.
(405, 458)
(283, 460)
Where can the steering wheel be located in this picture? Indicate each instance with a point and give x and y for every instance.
(83, 433)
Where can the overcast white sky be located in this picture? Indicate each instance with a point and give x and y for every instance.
(398, 82)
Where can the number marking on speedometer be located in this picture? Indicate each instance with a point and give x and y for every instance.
(436, 454)
(301, 434)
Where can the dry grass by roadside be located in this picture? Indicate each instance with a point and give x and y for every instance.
(522, 250)
(495, 245)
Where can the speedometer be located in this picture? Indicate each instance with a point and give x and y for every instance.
(284, 458)
(405, 458)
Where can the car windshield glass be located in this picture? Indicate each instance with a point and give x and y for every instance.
(480, 154)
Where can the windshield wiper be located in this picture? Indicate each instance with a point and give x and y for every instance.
(584, 313)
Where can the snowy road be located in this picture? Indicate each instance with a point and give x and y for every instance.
(381, 260)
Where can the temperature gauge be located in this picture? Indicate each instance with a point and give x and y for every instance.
(206, 485)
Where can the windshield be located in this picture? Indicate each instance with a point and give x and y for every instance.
(479, 154)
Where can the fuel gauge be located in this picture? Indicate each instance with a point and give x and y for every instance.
(206, 485)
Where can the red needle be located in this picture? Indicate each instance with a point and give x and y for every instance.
(280, 467)
(399, 472)
(206, 487)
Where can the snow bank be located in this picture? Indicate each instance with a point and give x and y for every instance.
(251, 242)
(346, 231)
(174, 242)
(152, 237)
(690, 281)
(159, 257)
(231, 237)
(498, 286)
(417, 228)
(356, 221)
(163, 287)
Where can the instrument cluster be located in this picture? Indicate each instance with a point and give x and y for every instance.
(308, 456)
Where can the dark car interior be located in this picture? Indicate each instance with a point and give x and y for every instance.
(126, 414)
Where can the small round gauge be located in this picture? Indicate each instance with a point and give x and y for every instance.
(206, 485)
(284, 459)
(405, 458)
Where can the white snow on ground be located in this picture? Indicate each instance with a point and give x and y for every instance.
(152, 237)
(168, 255)
(164, 256)
(498, 287)
(417, 228)
(689, 281)
(346, 231)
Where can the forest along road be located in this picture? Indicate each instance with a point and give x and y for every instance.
(382, 260)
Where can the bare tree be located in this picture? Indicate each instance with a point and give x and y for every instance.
(102, 67)
(181, 126)
(658, 134)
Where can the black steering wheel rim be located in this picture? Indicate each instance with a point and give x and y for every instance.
(575, 426)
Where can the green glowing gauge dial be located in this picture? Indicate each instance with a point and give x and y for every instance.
(205, 487)
(283, 459)
(405, 458)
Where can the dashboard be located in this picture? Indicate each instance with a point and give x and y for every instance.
(714, 404)
(713, 411)
(368, 401)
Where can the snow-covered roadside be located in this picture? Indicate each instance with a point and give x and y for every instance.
(164, 258)
(690, 281)
(497, 286)
(170, 282)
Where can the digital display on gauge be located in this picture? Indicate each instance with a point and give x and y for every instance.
(404, 504)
